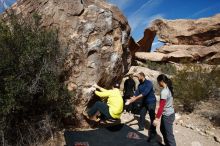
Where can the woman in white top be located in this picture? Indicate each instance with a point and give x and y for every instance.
(166, 110)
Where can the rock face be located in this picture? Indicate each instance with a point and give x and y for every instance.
(93, 36)
(203, 31)
(144, 44)
(182, 54)
(153, 56)
(187, 40)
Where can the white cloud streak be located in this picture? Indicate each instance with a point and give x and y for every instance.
(122, 4)
(3, 4)
(143, 16)
(202, 11)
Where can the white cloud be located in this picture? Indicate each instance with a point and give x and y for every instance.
(3, 4)
(143, 21)
(149, 5)
(143, 16)
(202, 11)
(122, 4)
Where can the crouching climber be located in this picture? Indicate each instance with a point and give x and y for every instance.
(109, 108)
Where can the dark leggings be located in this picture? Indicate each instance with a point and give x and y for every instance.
(102, 108)
(166, 128)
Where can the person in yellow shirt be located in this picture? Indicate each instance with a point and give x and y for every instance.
(111, 105)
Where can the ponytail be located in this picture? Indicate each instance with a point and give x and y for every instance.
(166, 80)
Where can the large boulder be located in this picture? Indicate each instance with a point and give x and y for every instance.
(188, 32)
(182, 54)
(186, 41)
(93, 36)
(144, 44)
(146, 56)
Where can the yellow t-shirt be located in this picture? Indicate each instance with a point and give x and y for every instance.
(114, 101)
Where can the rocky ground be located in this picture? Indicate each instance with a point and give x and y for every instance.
(200, 128)
(186, 134)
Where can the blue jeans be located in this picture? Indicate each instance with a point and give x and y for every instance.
(102, 108)
(141, 123)
(166, 128)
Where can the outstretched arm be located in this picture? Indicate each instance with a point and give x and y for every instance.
(139, 94)
(103, 94)
(100, 88)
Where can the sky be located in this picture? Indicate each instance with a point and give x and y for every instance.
(140, 13)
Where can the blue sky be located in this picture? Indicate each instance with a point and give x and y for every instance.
(140, 13)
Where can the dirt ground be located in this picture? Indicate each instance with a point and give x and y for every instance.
(200, 128)
(185, 135)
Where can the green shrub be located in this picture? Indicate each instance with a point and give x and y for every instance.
(30, 82)
(194, 83)
(166, 68)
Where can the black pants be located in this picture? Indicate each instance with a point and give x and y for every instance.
(141, 123)
(166, 128)
(102, 108)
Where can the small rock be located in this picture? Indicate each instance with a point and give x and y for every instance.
(183, 124)
(202, 133)
(217, 139)
(191, 127)
(180, 121)
(209, 133)
(197, 129)
(177, 116)
(187, 126)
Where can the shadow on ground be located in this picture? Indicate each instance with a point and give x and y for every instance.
(118, 135)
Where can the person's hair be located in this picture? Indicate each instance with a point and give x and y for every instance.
(167, 81)
(142, 74)
(130, 75)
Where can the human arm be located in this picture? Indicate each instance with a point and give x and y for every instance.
(138, 95)
(102, 94)
(161, 108)
(159, 112)
(100, 88)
